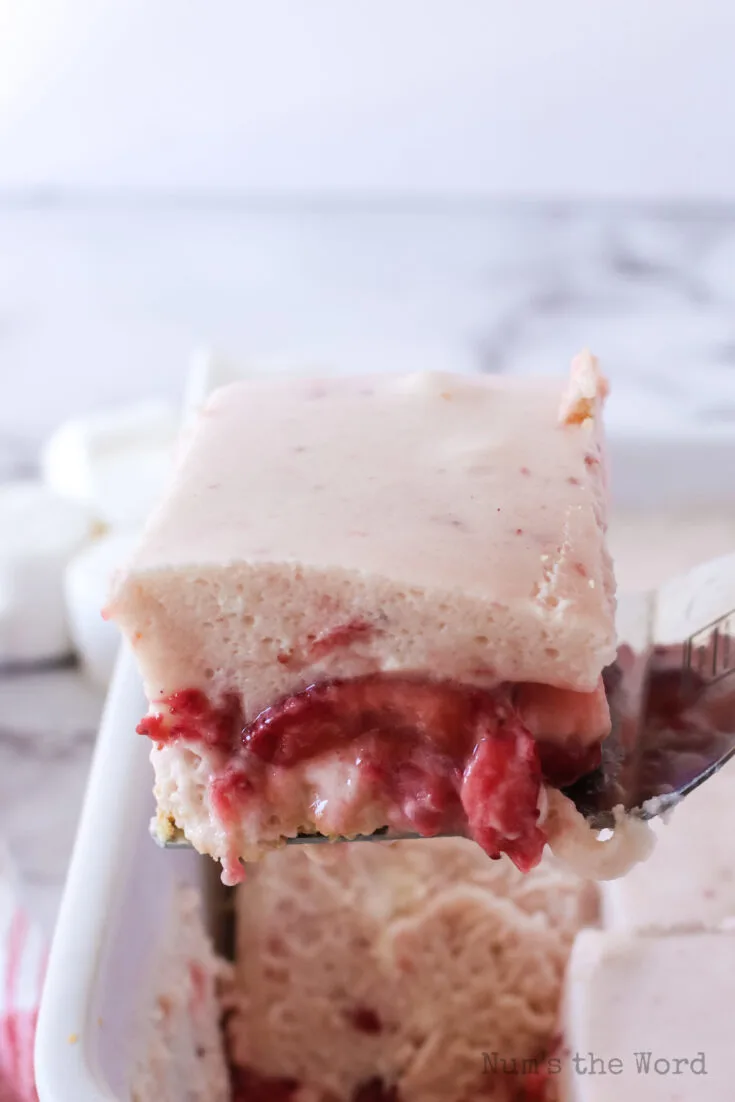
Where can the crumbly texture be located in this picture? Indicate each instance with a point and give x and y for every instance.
(182, 1055)
(590, 853)
(402, 962)
(587, 385)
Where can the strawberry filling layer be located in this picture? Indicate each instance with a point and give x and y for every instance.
(442, 757)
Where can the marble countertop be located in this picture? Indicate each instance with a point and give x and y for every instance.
(102, 303)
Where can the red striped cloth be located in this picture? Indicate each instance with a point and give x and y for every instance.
(22, 969)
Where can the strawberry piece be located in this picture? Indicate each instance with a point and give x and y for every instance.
(414, 740)
(331, 714)
(190, 715)
(500, 794)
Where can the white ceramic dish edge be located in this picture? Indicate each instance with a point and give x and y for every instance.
(114, 911)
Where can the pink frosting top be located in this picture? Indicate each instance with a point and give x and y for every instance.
(480, 491)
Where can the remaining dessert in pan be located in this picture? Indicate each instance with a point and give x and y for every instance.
(400, 973)
(378, 601)
(393, 973)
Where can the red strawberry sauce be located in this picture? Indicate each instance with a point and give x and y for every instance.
(451, 758)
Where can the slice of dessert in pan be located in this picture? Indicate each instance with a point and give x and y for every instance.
(376, 602)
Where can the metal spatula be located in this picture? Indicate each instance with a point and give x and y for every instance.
(671, 695)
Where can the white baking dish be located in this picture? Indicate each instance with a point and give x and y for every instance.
(120, 886)
(117, 901)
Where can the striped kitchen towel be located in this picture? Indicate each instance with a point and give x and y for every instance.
(23, 956)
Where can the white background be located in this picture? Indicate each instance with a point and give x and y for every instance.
(316, 181)
(631, 98)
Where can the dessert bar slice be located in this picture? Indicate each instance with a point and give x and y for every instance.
(376, 601)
